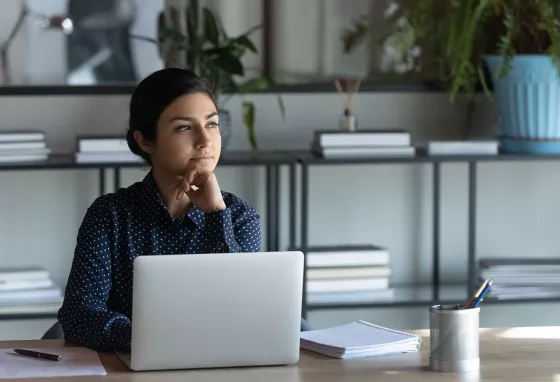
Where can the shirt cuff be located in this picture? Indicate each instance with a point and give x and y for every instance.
(121, 332)
(219, 226)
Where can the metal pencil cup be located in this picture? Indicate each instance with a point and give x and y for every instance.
(454, 339)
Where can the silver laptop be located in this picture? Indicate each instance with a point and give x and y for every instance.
(216, 310)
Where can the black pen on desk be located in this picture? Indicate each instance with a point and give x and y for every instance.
(36, 354)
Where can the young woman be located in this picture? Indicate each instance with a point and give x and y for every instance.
(178, 208)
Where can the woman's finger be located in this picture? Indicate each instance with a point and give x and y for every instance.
(180, 190)
(191, 176)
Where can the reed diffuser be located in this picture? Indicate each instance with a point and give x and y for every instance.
(348, 119)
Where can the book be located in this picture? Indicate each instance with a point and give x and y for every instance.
(359, 339)
(347, 256)
(362, 137)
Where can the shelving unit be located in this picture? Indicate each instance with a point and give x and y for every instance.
(270, 160)
(415, 295)
(406, 295)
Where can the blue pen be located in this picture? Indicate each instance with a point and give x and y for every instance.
(482, 294)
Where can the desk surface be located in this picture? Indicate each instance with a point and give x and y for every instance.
(517, 354)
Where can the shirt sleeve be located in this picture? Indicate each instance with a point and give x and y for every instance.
(84, 315)
(235, 229)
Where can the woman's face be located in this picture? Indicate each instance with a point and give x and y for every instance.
(187, 135)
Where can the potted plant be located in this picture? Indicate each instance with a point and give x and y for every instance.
(201, 44)
(510, 47)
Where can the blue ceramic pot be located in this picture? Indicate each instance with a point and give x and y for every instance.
(528, 103)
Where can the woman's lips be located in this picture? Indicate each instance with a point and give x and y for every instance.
(201, 159)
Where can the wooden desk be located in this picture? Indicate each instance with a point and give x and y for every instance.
(517, 354)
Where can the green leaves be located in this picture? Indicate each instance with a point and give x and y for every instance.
(229, 63)
(505, 45)
(248, 109)
(211, 27)
(244, 41)
(457, 34)
(254, 85)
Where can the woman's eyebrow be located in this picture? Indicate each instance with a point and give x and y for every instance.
(191, 119)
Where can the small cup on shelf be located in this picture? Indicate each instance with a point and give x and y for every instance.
(348, 121)
(454, 339)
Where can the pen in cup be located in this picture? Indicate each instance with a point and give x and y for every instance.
(474, 298)
(36, 354)
(481, 297)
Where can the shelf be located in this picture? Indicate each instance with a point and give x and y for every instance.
(27, 316)
(308, 158)
(405, 295)
(273, 158)
(228, 158)
(421, 296)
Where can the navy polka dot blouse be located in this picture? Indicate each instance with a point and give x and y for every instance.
(132, 222)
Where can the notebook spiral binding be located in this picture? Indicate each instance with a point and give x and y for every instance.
(384, 328)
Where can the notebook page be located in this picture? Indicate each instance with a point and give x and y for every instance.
(76, 361)
(357, 334)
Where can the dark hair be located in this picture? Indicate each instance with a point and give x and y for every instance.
(152, 96)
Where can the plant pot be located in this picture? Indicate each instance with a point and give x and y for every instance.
(225, 127)
(528, 102)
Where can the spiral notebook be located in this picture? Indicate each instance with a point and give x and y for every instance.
(359, 339)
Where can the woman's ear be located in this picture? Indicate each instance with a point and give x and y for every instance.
(144, 144)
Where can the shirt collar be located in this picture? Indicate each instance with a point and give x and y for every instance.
(156, 205)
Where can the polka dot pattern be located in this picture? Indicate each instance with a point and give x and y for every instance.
(133, 222)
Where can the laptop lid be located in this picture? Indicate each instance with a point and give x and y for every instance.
(216, 310)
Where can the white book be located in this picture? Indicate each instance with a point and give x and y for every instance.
(378, 137)
(21, 136)
(31, 295)
(466, 147)
(348, 272)
(366, 296)
(26, 285)
(12, 274)
(367, 152)
(102, 144)
(10, 146)
(107, 157)
(347, 285)
(351, 258)
(359, 339)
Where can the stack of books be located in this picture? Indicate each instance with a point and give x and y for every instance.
(108, 149)
(348, 274)
(521, 278)
(362, 143)
(23, 146)
(28, 290)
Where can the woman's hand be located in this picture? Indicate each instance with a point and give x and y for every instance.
(202, 188)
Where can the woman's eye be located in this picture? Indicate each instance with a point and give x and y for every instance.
(212, 124)
(184, 127)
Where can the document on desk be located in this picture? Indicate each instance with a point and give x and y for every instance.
(75, 361)
(359, 339)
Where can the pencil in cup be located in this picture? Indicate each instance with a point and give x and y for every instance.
(479, 294)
